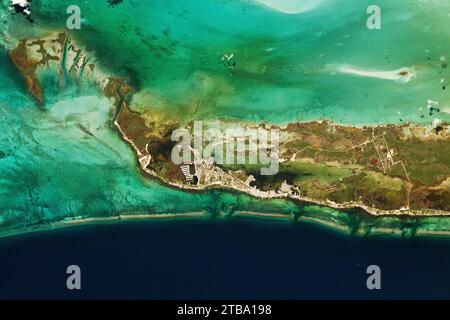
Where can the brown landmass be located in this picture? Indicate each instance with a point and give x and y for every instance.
(392, 169)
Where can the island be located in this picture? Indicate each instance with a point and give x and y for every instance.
(385, 170)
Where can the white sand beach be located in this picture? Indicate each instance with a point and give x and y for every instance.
(404, 74)
(291, 6)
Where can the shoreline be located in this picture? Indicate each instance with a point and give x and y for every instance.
(247, 216)
(97, 221)
(143, 161)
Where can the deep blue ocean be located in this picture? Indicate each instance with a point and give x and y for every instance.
(220, 260)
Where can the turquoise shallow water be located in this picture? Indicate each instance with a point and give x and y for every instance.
(286, 65)
(64, 160)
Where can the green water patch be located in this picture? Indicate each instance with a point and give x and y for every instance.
(284, 68)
